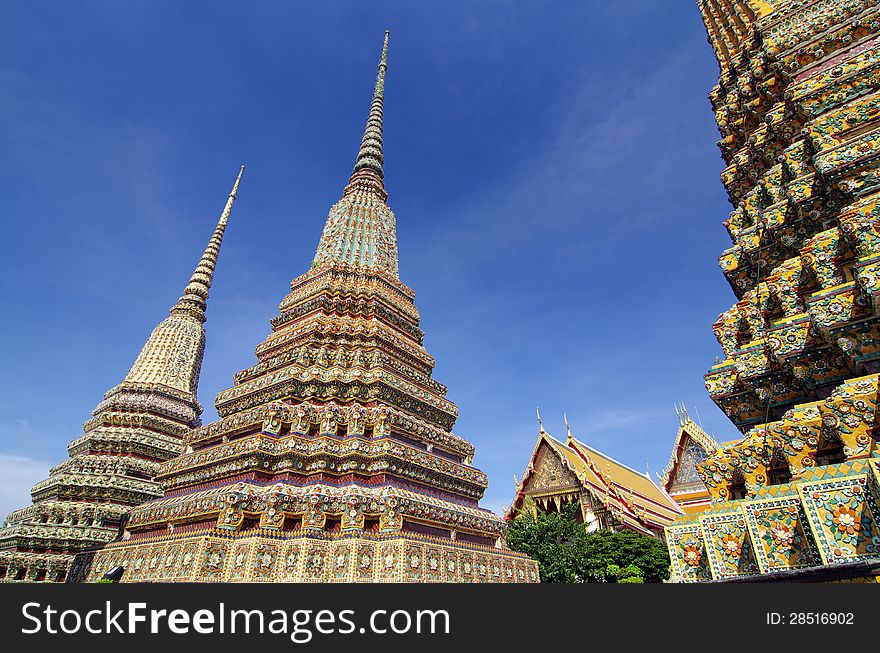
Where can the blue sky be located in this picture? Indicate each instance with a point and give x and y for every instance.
(552, 166)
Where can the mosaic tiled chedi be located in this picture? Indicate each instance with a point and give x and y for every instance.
(333, 458)
(798, 107)
(112, 466)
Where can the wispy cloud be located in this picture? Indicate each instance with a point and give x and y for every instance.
(594, 176)
(18, 431)
(608, 420)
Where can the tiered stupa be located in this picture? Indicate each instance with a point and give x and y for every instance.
(333, 458)
(139, 424)
(798, 107)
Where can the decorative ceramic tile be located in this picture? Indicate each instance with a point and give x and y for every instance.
(843, 516)
(687, 553)
(781, 534)
(727, 545)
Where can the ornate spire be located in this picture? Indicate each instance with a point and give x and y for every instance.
(360, 230)
(368, 173)
(140, 423)
(195, 295)
(172, 356)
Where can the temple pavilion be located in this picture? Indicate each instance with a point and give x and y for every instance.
(609, 494)
(681, 479)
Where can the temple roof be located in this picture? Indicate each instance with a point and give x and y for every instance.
(688, 430)
(634, 499)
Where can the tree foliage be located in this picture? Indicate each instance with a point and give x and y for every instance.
(566, 553)
(618, 574)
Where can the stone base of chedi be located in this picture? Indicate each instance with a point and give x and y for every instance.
(314, 534)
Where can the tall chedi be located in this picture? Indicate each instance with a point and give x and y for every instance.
(798, 107)
(139, 424)
(333, 458)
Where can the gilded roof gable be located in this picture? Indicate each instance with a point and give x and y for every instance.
(558, 468)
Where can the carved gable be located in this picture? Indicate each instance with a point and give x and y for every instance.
(685, 477)
(550, 474)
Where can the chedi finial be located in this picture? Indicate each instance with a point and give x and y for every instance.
(195, 296)
(368, 173)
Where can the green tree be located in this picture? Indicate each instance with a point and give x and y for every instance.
(627, 548)
(618, 574)
(555, 540)
(566, 553)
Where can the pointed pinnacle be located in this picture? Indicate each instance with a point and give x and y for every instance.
(195, 296)
(368, 173)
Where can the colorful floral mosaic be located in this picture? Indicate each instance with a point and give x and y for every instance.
(844, 517)
(687, 553)
(781, 534)
(798, 110)
(728, 547)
